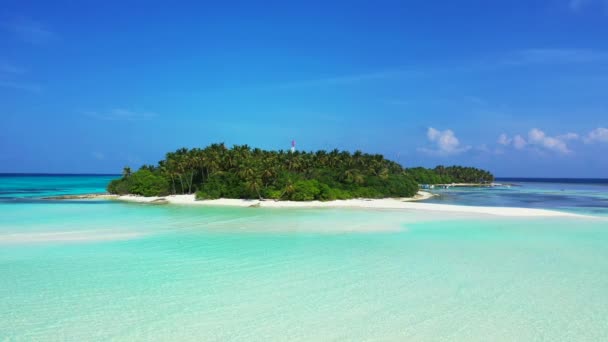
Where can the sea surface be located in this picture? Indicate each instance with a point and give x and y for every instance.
(585, 196)
(98, 270)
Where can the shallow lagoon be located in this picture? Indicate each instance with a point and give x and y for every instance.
(100, 270)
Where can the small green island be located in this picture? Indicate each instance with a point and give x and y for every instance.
(242, 172)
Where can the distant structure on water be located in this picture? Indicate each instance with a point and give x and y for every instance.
(293, 146)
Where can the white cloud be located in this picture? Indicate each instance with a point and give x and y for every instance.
(536, 135)
(538, 138)
(519, 142)
(597, 135)
(120, 114)
(446, 142)
(504, 140)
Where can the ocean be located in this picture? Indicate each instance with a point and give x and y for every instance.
(101, 270)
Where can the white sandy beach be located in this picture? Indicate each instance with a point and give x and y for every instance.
(386, 203)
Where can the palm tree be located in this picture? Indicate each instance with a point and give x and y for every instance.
(126, 172)
(164, 169)
(383, 174)
(254, 184)
(289, 189)
(354, 176)
(247, 171)
(259, 170)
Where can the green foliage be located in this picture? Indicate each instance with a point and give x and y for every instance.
(460, 174)
(243, 172)
(451, 174)
(207, 195)
(222, 185)
(340, 194)
(146, 183)
(118, 187)
(326, 193)
(143, 182)
(306, 190)
(427, 176)
(272, 194)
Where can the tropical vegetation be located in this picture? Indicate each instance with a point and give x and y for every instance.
(244, 172)
(450, 174)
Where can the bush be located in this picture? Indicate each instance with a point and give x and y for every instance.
(118, 187)
(143, 182)
(365, 192)
(224, 185)
(306, 190)
(146, 183)
(207, 195)
(401, 186)
(272, 194)
(326, 193)
(341, 194)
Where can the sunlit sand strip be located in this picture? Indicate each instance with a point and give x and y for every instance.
(387, 203)
(66, 237)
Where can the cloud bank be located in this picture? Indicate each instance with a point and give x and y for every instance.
(539, 140)
(598, 135)
(444, 143)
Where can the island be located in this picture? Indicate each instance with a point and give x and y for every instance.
(242, 172)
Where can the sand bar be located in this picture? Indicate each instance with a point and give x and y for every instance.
(386, 203)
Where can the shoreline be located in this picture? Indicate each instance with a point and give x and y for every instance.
(190, 199)
(411, 203)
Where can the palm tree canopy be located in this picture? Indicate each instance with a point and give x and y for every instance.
(244, 172)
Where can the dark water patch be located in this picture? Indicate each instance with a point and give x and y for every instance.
(597, 181)
(544, 199)
(592, 205)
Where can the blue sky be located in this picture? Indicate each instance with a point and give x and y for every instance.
(517, 87)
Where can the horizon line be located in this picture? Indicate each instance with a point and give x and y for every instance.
(119, 174)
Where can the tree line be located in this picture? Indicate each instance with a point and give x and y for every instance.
(244, 172)
(450, 174)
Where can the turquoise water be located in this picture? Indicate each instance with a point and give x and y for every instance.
(40, 186)
(584, 196)
(103, 270)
